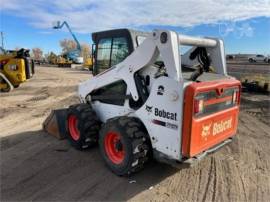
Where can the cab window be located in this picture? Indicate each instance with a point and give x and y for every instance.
(111, 51)
(140, 39)
(119, 50)
(104, 54)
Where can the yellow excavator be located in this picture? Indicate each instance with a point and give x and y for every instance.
(63, 61)
(15, 68)
(52, 58)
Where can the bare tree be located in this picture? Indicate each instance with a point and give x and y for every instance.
(67, 45)
(37, 54)
(86, 51)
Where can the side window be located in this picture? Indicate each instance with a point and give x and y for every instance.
(114, 93)
(140, 39)
(119, 50)
(104, 53)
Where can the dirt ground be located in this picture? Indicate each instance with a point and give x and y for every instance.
(240, 68)
(37, 167)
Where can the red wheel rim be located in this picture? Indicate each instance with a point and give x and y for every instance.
(114, 147)
(73, 127)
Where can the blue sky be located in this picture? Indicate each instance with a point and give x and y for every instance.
(243, 25)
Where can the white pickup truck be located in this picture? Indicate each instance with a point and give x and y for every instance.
(259, 58)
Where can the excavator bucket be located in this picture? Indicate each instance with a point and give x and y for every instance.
(55, 123)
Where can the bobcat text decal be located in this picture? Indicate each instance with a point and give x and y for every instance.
(161, 113)
(164, 114)
(216, 127)
(221, 126)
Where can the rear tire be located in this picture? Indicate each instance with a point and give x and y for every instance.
(28, 71)
(33, 67)
(7, 89)
(124, 145)
(82, 126)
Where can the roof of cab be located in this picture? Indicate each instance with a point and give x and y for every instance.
(115, 32)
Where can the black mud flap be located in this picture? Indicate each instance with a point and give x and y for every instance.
(55, 123)
(28, 70)
(33, 67)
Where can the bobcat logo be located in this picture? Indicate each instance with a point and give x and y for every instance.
(148, 109)
(206, 130)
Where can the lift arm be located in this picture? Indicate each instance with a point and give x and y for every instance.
(59, 26)
(160, 42)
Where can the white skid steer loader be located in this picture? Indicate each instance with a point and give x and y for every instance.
(154, 102)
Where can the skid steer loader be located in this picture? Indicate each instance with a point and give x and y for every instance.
(149, 100)
(15, 68)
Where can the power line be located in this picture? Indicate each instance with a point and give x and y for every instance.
(2, 39)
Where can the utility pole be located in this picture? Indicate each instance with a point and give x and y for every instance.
(2, 39)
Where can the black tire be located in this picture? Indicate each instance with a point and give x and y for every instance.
(6, 90)
(250, 60)
(134, 143)
(87, 125)
(28, 72)
(33, 67)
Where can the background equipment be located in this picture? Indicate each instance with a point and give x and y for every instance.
(15, 68)
(73, 55)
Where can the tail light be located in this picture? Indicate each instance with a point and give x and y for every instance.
(236, 96)
(3, 62)
(209, 102)
(198, 106)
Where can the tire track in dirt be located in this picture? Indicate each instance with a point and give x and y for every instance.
(207, 186)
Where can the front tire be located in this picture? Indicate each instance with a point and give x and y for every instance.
(82, 126)
(124, 145)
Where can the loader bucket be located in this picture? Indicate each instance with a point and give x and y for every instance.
(55, 123)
